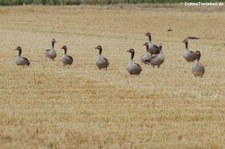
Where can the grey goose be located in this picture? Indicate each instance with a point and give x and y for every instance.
(187, 54)
(66, 59)
(147, 56)
(21, 60)
(51, 53)
(133, 68)
(153, 49)
(157, 59)
(102, 62)
(198, 69)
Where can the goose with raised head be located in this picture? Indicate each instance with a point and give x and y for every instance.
(198, 69)
(51, 53)
(187, 54)
(102, 62)
(147, 56)
(66, 59)
(153, 49)
(21, 60)
(157, 59)
(133, 68)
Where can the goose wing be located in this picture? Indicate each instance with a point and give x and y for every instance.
(26, 61)
(105, 59)
(70, 57)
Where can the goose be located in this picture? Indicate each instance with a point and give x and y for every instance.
(21, 60)
(187, 54)
(66, 59)
(147, 56)
(153, 49)
(133, 68)
(102, 62)
(157, 59)
(51, 53)
(198, 69)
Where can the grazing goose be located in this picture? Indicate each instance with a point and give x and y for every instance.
(146, 57)
(188, 55)
(133, 68)
(51, 53)
(157, 59)
(153, 49)
(66, 59)
(102, 62)
(198, 69)
(21, 60)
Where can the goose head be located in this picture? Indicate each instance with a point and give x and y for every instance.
(186, 43)
(160, 47)
(64, 48)
(149, 36)
(197, 55)
(19, 49)
(132, 53)
(99, 48)
(146, 45)
(185, 40)
(53, 40)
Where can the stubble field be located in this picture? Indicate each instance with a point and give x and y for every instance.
(47, 105)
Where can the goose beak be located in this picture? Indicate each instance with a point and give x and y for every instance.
(128, 51)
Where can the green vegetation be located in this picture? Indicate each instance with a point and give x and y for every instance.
(78, 2)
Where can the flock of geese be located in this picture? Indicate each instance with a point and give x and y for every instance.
(153, 56)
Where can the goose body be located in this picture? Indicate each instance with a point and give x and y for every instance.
(133, 68)
(157, 59)
(187, 54)
(51, 53)
(198, 69)
(147, 56)
(66, 59)
(153, 49)
(21, 60)
(102, 62)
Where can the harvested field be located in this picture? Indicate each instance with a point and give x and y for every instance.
(47, 105)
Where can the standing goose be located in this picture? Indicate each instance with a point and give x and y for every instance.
(102, 62)
(146, 57)
(198, 69)
(21, 60)
(158, 59)
(153, 49)
(187, 54)
(66, 59)
(51, 53)
(133, 68)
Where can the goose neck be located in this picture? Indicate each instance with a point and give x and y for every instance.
(186, 45)
(150, 38)
(65, 51)
(20, 51)
(53, 43)
(147, 47)
(100, 51)
(132, 56)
